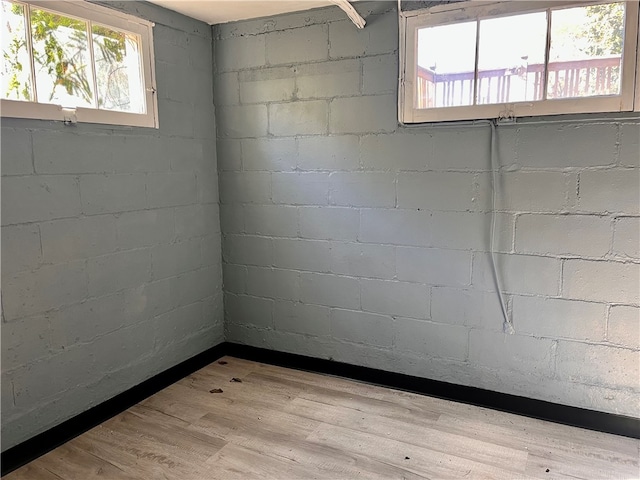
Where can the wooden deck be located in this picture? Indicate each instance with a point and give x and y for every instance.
(287, 424)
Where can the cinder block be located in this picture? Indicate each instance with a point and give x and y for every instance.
(457, 191)
(85, 321)
(245, 121)
(329, 223)
(245, 187)
(16, 152)
(557, 318)
(396, 227)
(113, 193)
(395, 298)
(300, 188)
(263, 90)
(328, 79)
(21, 248)
(362, 189)
(117, 271)
(177, 118)
(629, 148)
(273, 283)
(328, 153)
(232, 218)
(601, 281)
(535, 191)
(171, 189)
(65, 152)
(74, 238)
(365, 114)
(239, 53)
(329, 290)
(610, 191)
(247, 250)
(561, 146)
(28, 293)
(196, 285)
(298, 118)
(149, 300)
(229, 156)
(469, 307)
(361, 327)
(464, 230)
(148, 153)
(25, 341)
(38, 198)
(271, 220)
(379, 36)
(175, 258)
(379, 74)
(235, 278)
(600, 365)
(298, 45)
(298, 254)
(190, 221)
(211, 250)
(400, 151)
(362, 260)
(431, 339)
(177, 324)
(184, 154)
(525, 274)
(505, 353)
(624, 326)
(626, 237)
(272, 154)
(563, 234)
(434, 266)
(297, 317)
(246, 310)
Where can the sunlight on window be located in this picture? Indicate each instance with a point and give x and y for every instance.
(511, 58)
(586, 51)
(118, 74)
(15, 79)
(446, 65)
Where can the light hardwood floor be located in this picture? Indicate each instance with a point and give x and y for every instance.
(288, 424)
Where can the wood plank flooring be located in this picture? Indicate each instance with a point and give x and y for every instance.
(286, 424)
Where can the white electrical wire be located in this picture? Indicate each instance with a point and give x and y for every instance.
(507, 326)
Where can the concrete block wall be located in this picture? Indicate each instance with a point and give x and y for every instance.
(111, 263)
(348, 237)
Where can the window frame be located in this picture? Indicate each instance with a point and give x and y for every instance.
(472, 10)
(117, 20)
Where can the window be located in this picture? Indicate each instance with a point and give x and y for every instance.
(64, 60)
(475, 60)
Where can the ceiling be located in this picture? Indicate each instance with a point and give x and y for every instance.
(222, 11)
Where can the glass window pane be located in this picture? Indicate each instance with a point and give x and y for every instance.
(62, 59)
(586, 51)
(118, 70)
(511, 58)
(15, 79)
(446, 65)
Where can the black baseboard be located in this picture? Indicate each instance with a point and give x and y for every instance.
(554, 412)
(44, 442)
(33, 448)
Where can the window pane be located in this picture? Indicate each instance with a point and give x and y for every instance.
(586, 51)
(446, 65)
(511, 58)
(118, 70)
(16, 81)
(62, 59)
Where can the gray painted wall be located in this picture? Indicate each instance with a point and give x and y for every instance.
(111, 265)
(348, 237)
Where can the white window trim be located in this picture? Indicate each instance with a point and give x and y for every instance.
(411, 21)
(111, 18)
